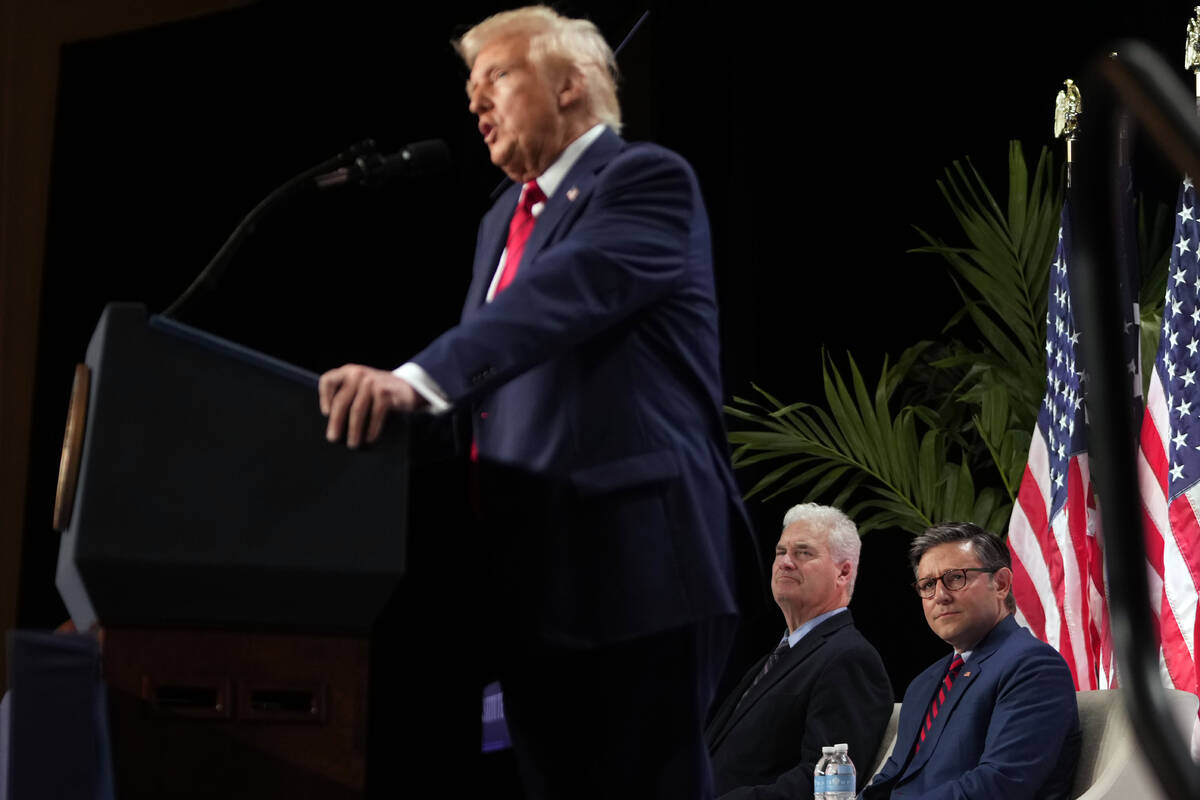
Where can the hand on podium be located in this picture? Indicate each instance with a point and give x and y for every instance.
(357, 399)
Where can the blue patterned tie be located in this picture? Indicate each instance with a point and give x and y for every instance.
(771, 661)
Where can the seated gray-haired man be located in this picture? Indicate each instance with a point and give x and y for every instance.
(822, 684)
(996, 718)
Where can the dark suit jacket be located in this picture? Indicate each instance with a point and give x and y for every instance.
(1008, 730)
(831, 687)
(594, 385)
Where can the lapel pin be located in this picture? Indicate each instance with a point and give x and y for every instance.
(966, 674)
(572, 193)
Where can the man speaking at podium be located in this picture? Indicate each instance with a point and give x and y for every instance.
(587, 358)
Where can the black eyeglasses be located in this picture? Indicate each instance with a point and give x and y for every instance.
(952, 579)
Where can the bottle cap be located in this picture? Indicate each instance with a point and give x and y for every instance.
(841, 748)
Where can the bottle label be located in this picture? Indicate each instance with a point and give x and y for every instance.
(842, 782)
(819, 784)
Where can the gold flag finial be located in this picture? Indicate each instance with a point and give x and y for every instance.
(1067, 108)
(1191, 53)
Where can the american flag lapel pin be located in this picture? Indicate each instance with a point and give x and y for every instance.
(572, 193)
(966, 674)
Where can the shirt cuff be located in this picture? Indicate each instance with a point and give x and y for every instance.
(415, 376)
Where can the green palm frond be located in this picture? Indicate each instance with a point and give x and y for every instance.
(1004, 275)
(1003, 279)
(1154, 251)
(897, 469)
(1154, 254)
(957, 446)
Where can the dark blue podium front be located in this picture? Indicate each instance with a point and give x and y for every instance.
(207, 494)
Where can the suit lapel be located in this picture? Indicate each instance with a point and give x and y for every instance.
(493, 235)
(787, 662)
(575, 189)
(972, 669)
(722, 723)
(909, 734)
(792, 659)
(962, 684)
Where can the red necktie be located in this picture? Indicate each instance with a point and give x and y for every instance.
(518, 233)
(955, 666)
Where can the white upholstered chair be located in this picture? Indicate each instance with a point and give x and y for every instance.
(889, 741)
(1110, 764)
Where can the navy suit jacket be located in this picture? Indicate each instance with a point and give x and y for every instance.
(1009, 728)
(831, 687)
(595, 394)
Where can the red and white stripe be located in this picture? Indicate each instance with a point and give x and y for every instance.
(1172, 534)
(1058, 569)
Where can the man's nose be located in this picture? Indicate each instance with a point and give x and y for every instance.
(940, 593)
(478, 102)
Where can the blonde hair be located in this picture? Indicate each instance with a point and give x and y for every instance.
(574, 43)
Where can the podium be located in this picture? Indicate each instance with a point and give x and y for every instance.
(235, 560)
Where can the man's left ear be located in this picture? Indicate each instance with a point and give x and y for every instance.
(1003, 579)
(571, 89)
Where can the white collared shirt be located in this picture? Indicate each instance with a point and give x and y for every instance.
(549, 181)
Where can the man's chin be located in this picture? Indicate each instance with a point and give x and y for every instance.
(946, 630)
(515, 169)
(502, 157)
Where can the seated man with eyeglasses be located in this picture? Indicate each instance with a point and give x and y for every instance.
(997, 717)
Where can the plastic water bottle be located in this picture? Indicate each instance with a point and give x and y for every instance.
(839, 775)
(830, 771)
(819, 782)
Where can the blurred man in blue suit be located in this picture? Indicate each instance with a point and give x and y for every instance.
(587, 359)
(996, 719)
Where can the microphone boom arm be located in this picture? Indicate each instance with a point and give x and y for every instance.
(211, 273)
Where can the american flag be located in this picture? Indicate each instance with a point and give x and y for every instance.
(1169, 458)
(1053, 534)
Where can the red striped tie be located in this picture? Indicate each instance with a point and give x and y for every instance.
(943, 690)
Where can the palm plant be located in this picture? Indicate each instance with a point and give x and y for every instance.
(900, 463)
(920, 464)
(1008, 268)
(965, 407)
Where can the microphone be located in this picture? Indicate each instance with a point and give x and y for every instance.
(419, 158)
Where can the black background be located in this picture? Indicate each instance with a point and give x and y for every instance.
(817, 131)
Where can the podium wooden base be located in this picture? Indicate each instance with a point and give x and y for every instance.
(208, 713)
